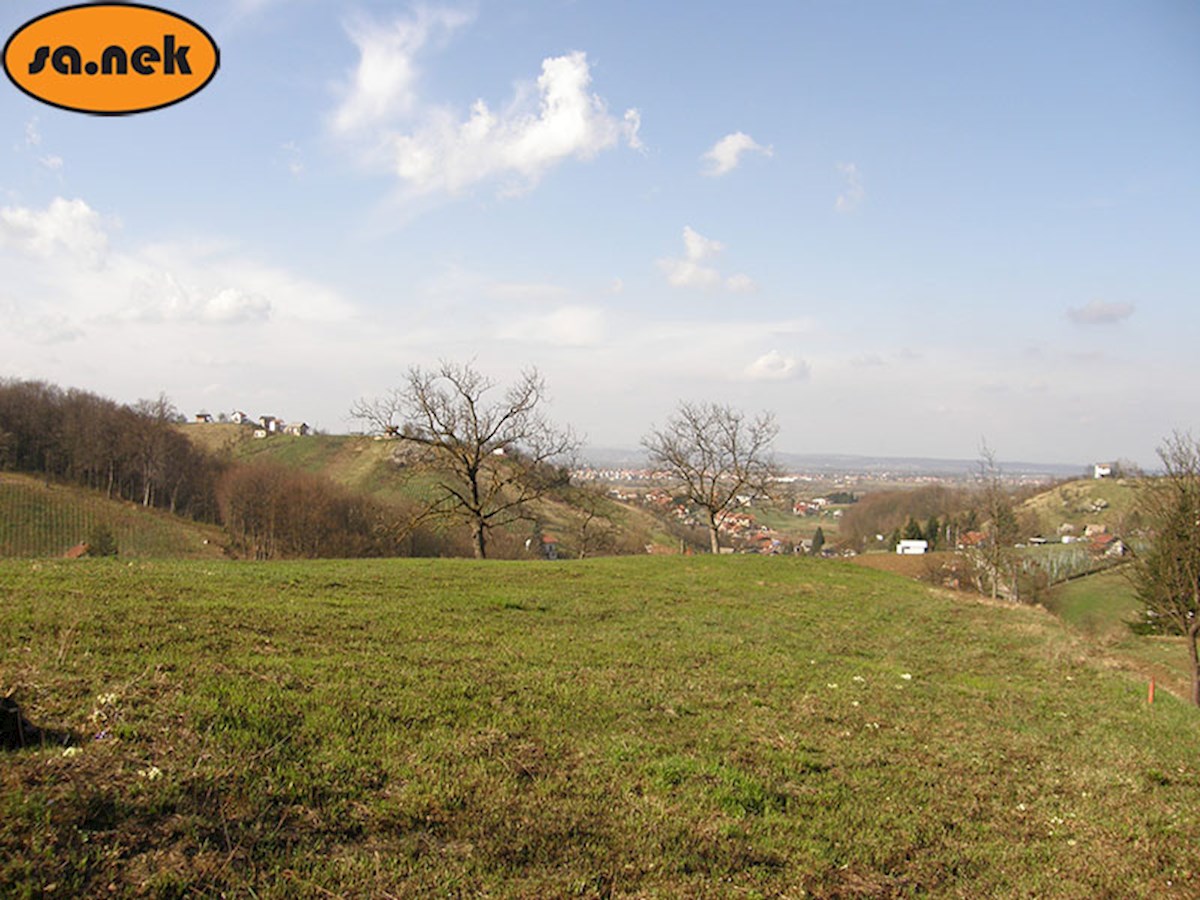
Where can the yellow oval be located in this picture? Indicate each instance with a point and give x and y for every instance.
(111, 59)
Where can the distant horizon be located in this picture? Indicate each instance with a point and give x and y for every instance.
(867, 463)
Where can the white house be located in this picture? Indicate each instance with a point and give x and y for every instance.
(1102, 470)
(912, 548)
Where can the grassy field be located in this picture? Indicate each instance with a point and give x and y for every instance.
(1100, 607)
(40, 519)
(643, 727)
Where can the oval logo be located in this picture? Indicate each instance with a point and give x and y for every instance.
(111, 59)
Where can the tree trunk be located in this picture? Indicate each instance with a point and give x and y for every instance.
(479, 539)
(1192, 636)
(713, 535)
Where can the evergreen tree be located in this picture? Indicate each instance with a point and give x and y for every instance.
(818, 541)
(101, 542)
(933, 532)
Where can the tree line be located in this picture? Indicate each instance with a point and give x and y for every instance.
(132, 453)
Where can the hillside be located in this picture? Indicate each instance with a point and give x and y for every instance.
(1108, 502)
(46, 519)
(368, 465)
(704, 727)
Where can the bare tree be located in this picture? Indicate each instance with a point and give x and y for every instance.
(996, 553)
(596, 523)
(715, 454)
(1167, 574)
(492, 458)
(384, 414)
(153, 442)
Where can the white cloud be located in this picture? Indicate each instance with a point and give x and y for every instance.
(525, 292)
(632, 124)
(67, 227)
(385, 81)
(570, 326)
(433, 149)
(868, 360)
(40, 329)
(741, 284)
(293, 158)
(59, 259)
(853, 193)
(82, 306)
(774, 366)
(692, 272)
(33, 141)
(456, 284)
(726, 153)
(1099, 312)
(160, 297)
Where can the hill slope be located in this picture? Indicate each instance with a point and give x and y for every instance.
(367, 465)
(705, 727)
(1104, 501)
(40, 519)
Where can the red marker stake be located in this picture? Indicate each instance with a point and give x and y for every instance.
(1150, 695)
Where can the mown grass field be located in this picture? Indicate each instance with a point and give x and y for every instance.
(640, 727)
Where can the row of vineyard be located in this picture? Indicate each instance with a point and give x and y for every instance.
(43, 520)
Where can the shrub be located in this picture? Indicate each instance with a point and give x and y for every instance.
(101, 542)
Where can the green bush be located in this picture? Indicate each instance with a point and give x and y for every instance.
(102, 542)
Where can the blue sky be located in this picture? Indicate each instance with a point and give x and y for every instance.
(903, 227)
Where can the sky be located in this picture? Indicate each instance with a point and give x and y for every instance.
(904, 228)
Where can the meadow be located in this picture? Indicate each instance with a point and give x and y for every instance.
(637, 727)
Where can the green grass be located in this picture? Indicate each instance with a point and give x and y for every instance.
(1099, 607)
(40, 520)
(643, 727)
